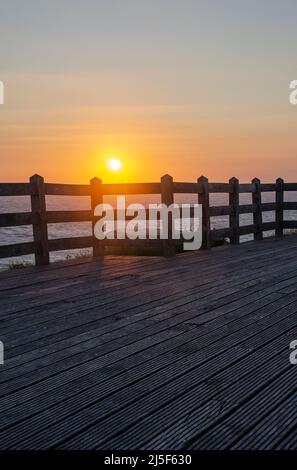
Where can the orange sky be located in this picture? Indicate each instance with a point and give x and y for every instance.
(73, 145)
(205, 93)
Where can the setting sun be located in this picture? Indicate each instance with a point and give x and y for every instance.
(114, 164)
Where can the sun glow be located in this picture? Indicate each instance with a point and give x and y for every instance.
(114, 164)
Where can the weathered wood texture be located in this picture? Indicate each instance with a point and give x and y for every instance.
(167, 198)
(234, 217)
(257, 215)
(280, 206)
(96, 198)
(145, 353)
(203, 199)
(40, 233)
(39, 217)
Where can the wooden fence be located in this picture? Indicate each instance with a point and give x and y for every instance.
(40, 217)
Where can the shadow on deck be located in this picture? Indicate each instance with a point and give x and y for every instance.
(150, 353)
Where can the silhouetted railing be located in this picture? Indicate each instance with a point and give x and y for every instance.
(40, 217)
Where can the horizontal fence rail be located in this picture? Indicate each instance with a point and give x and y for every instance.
(40, 217)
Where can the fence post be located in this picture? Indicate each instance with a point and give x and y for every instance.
(257, 216)
(203, 198)
(279, 207)
(234, 217)
(167, 198)
(96, 198)
(38, 208)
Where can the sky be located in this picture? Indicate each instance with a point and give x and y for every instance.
(185, 87)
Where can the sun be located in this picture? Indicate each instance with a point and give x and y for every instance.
(114, 164)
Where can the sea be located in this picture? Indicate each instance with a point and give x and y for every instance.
(10, 235)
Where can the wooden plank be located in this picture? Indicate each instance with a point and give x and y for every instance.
(247, 208)
(252, 228)
(92, 392)
(53, 217)
(219, 187)
(31, 365)
(55, 189)
(288, 441)
(177, 391)
(257, 216)
(96, 199)
(275, 408)
(268, 206)
(284, 258)
(167, 198)
(78, 216)
(15, 189)
(81, 263)
(186, 188)
(16, 219)
(40, 233)
(70, 243)
(261, 381)
(290, 186)
(239, 376)
(207, 404)
(246, 188)
(138, 243)
(267, 226)
(121, 301)
(267, 187)
(290, 206)
(186, 266)
(203, 199)
(70, 269)
(290, 224)
(215, 211)
(220, 233)
(234, 218)
(17, 249)
(279, 207)
(131, 188)
(80, 306)
(274, 387)
(191, 401)
(129, 303)
(93, 397)
(247, 229)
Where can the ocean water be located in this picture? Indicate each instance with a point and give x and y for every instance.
(10, 235)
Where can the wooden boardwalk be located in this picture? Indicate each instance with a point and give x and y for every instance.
(190, 352)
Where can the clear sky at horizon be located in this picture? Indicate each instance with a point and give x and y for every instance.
(185, 87)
